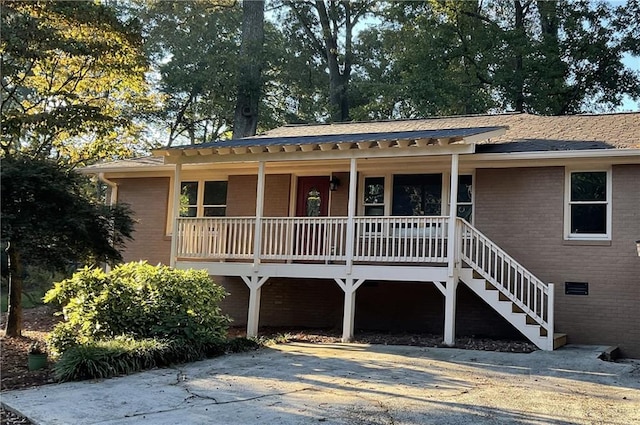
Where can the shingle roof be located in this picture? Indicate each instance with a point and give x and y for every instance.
(530, 132)
(265, 140)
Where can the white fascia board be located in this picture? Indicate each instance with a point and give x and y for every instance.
(542, 158)
(159, 168)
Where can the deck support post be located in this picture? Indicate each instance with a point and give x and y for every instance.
(349, 286)
(175, 213)
(255, 289)
(450, 311)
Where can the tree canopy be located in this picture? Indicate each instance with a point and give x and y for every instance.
(73, 81)
(48, 218)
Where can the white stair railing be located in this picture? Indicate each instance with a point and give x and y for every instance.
(521, 287)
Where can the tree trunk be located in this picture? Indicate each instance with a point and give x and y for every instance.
(245, 122)
(518, 74)
(14, 315)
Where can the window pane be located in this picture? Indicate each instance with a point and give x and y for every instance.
(374, 190)
(215, 211)
(313, 203)
(590, 186)
(464, 188)
(188, 211)
(587, 218)
(215, 193)
(417, 194)
(189, 191)
(374, 210)
(465, 211)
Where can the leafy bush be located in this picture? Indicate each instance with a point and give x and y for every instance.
(139, 301)
(122, 356)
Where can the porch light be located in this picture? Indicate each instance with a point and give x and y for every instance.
(638, 246)
(334, 183)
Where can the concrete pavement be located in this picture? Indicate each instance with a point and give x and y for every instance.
(301, 383)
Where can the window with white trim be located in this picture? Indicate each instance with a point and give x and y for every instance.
(465, 197)
(588, 204)
(203, 198)
(373, 196)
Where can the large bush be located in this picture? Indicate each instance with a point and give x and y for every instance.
(138, 301)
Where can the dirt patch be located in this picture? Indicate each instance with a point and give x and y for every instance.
(367, 337)
(37, 323)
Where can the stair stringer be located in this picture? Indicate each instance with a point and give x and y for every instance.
(505, 308)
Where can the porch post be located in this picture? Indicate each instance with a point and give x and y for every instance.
(175, 213)
(349, 286)
(453, 208)
(450, 311)
(255, 290)
(257, 241)
(351, 212)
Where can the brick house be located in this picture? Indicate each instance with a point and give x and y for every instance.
(504, 225)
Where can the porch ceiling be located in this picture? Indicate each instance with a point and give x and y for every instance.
(404, 143)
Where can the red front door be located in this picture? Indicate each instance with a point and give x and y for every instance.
(312, 201)
(313, 196)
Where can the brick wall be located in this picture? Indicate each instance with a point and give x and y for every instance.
(241, 195)
(522, 211)
(148, 199)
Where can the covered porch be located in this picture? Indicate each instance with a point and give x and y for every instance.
(370, 242)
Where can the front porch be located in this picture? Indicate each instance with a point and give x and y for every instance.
(352, 251)
(400, 221)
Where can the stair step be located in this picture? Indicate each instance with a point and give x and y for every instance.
(559, 339)
(489, 287)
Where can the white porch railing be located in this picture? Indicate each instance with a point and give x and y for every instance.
(376, 239)
(216, 238)
(520, 286)
(304, 238)
(401, 239)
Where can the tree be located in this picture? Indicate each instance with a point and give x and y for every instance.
(49, 219)
(546, 57)
(72, 83)
(194, 49)
(327, 27)
(250, 62)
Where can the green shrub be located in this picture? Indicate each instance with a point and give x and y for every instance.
(139, 301)
(123, 355)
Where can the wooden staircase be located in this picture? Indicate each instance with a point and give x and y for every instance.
(510, 289)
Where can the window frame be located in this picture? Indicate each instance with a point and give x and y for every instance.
(568, 235)
(200, 206)
(473, 195)
(364, 204)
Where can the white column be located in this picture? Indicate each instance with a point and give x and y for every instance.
(255, 290)
(450, 311)
(349, 286)
(175, 213)
(348, 319)
(453, 208)
(353, 180)
(257, 241)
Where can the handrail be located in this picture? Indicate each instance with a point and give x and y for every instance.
(401, 239)
(513, 280)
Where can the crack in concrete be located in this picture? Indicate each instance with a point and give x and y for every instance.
(193, 395)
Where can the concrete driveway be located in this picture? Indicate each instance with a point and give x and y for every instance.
(301, 383)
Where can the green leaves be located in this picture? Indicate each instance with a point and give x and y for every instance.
(48, 217)
(140, 301)
(72, 74)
